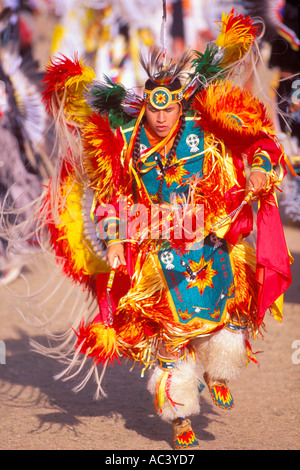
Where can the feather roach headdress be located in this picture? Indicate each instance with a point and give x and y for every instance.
(171, 80)
(164, 78)
(162, 71)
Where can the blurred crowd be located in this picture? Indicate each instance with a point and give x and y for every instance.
(108, 35)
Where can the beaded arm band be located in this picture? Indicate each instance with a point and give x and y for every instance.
(261, 162)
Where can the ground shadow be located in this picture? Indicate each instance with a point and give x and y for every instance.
(292, 295)
(127, 396)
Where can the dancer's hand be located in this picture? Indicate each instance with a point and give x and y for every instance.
(257, 181)
(116, 251)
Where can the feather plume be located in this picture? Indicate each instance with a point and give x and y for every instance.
(237, 34)
(207, 64)
(207, 67)
(64, 84)
(98, 341)
(163, 71)
(102, 155)
(132, 104)
(108, 98)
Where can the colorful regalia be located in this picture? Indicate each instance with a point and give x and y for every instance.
(192, 280)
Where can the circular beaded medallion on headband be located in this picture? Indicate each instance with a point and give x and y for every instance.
(161, 97)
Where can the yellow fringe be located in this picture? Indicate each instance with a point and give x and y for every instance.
(243, 258)
(146, 283)
(218, 161)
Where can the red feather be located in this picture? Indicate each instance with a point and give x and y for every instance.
(57, 73)
(232, 115)
(102, 154)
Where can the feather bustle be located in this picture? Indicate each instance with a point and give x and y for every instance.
(64, 85)
(102, 155)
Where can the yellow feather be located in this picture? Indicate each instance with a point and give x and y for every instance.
(237, 34)
(81, 249)
(75, 105)
(105, 338)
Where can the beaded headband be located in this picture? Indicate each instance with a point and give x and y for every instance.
(161, 97)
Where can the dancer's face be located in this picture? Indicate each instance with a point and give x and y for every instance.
(162, 121)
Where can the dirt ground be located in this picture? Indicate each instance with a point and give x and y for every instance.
(39, 413)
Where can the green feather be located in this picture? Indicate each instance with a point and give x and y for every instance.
(208, 64)
(107, 98)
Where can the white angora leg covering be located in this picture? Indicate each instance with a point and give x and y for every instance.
(223, 355)
(176, 390)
